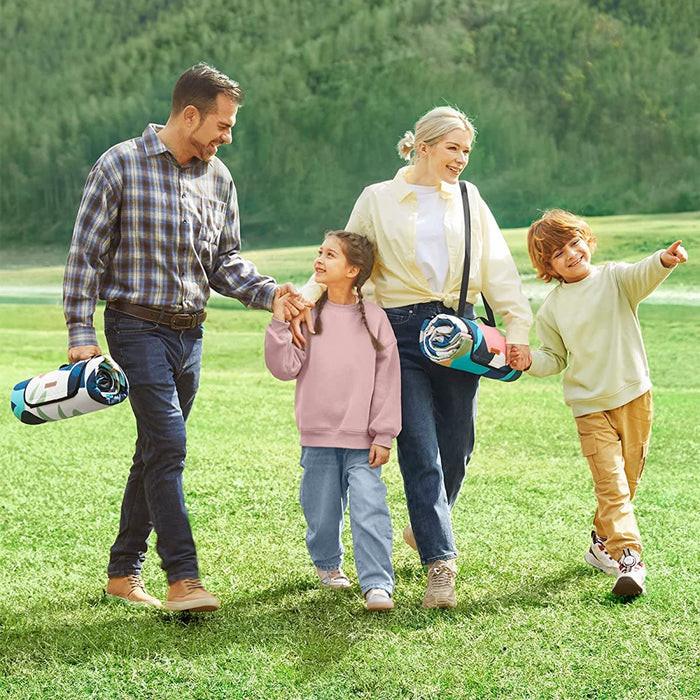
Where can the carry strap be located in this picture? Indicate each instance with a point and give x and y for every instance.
(467, 250)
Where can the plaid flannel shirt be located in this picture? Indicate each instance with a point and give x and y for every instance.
(154, 233)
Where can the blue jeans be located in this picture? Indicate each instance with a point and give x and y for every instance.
(438, 412)
(162, 366)
(329, 475)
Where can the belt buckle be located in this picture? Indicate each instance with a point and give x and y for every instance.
(183, 322)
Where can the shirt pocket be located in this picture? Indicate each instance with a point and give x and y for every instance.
(213, 220)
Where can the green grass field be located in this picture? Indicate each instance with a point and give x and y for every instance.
(533, 620)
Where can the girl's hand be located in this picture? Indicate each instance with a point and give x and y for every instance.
(518, 357)
(673, 255)
(295, 326)
(378, 455)
(279, 304)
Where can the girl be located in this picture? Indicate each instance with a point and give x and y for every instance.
(348, 410)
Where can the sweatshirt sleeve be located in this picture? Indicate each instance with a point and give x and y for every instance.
(282, 357)
(638, 280)
(501, 283)
(385, 411)
(552, 356)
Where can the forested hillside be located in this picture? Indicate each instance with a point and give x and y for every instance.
(588, 105)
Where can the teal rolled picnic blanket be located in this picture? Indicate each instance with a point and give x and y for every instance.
(466, 345)
(71, 390)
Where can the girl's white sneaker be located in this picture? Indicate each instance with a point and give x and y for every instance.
(378, 599)
(333, 579)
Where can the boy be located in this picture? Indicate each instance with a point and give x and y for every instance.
(588, 325)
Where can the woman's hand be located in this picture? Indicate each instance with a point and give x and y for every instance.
(519, 357)
(378, 455)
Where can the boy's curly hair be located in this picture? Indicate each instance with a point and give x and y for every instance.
(551, 232)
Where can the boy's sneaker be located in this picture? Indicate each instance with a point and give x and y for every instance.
(441, 585)
(378, 599)
(598, 556)
(333, 579)
(631, 575)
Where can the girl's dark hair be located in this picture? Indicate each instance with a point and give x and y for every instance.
(358, 251)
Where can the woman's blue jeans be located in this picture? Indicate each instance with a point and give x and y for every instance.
(438, 406)
(162, 366)
(330, 475)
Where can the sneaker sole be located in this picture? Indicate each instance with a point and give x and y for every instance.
(449, 603)
(202, 605)
(119, 600)
(381, 605)
(627, 586)
(593, 561)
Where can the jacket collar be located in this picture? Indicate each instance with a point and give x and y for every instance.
(402, 189)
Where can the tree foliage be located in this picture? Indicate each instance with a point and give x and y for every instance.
(587, 105)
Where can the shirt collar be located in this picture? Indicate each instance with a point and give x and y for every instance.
(153, 146)
(402, 189)
(151, 143)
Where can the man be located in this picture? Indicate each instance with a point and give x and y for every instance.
(157, 229)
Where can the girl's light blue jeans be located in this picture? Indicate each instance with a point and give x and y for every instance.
(331, 476)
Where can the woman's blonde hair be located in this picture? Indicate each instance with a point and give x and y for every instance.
(431, 127)
(550, 233)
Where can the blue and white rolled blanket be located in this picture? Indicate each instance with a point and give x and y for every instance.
(466, 345)
(71, 390)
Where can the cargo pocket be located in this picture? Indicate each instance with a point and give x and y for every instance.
(589, 447)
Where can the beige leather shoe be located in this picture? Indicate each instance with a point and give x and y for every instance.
(131, 590)
(190, 594)
(441, 585)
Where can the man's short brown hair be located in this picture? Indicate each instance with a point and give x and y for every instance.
(200, 86)
(550, 233)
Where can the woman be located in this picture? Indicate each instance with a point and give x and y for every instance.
(416, 222)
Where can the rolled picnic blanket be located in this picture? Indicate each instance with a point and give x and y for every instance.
(467, 345)
(71, 390)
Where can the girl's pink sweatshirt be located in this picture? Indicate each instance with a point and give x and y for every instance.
(347, 394)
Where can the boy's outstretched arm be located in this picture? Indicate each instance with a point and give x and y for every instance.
(674, 254)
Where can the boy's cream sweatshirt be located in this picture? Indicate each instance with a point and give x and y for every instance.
(347, 394)
(592, 327)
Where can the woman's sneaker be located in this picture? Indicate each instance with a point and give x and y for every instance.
(631, 575)
(598, 556)
(441, 585)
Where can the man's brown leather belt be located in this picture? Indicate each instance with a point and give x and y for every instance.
(177, 321)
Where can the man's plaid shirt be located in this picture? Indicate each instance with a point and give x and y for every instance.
(154, 233)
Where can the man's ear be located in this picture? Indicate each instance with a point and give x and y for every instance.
(191, 116)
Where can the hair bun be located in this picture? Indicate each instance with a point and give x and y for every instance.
(406, 145)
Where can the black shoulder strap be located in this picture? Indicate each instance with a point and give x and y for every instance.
(467, 251)
(467, 248)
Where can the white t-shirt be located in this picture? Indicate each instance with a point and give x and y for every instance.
(431, 244)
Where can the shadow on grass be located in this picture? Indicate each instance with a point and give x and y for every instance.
(315, 627)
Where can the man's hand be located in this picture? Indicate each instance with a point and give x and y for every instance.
(673, 255)
(518, 357)
(82, 352)
(378, 455)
